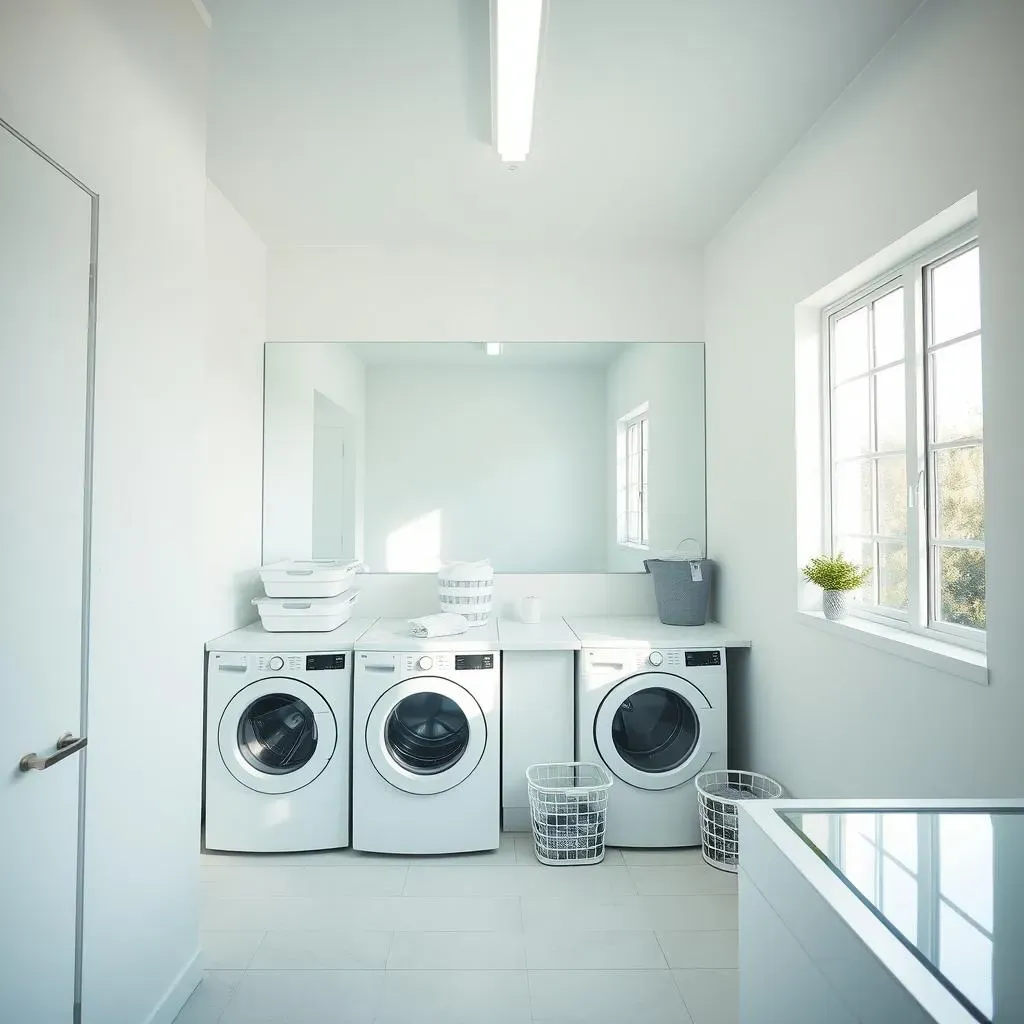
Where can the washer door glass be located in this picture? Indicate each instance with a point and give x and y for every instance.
(277, 734)
(655, 730)
(427, 733)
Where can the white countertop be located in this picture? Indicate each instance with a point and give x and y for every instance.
(617, 632)
(551, 634)
(256, 639)
(393, 635)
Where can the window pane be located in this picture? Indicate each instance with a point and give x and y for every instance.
(892, 496)
(956, 297)
(892, 576)
(961, 573)
(851, 419)
(859, 852)
(891, 409)
(899, 838)
(850, 345)
(899, 898)
(956, 391)
(965, 957)
(960, 493)
(965, 864)
(853, 497)
(862, 554)
(888, 313)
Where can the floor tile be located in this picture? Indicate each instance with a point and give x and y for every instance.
(525, 852)
(711, 997)
(454, 914)
(210, 998)
(455, 997)
(229, 950)
(518, 880)
(681, 880)
(700, 949)
(322, 950)
(704, 912)
(617, 913)
(306, 997)
(367, 879)
(468, 951)
(626, 950)
(685, 856)
(606, 997)
(252, 913)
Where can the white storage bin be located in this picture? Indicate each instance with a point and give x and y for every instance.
(308, 615)
(467, 588)
(313, 577)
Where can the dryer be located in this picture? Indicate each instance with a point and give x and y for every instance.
(426, 732)
(655, 718)
(278, 726)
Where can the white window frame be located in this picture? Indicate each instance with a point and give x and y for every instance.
(912, 276)
(636, 419)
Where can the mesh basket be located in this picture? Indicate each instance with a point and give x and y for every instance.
(718, 794)
(568, 811)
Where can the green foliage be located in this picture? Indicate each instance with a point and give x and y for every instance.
(835, 573)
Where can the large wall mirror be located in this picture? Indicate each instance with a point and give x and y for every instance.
(542, 457)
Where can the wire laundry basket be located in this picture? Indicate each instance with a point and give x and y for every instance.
(568, 811)
(719, 794)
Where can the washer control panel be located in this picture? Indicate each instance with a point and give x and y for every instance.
(613, 663)
(279, 663)
(428, 662)
(703, 659)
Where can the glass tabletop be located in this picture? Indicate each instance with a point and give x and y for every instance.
(949, 884)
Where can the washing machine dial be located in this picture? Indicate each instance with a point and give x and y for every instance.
(425, 663)
(655, 658)
(276, 664)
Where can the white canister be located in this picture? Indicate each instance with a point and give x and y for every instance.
(529, 609)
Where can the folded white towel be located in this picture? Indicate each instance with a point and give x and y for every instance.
(441, 624)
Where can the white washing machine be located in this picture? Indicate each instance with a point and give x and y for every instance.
(278, 726)
(656, 718)
(426, 722)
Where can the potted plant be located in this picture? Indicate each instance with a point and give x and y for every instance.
(836, 576)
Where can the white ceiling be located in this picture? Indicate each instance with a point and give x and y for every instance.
(560, 353)
(368, 121)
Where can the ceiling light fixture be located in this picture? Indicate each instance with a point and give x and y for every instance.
(494, 348)
(515, 44)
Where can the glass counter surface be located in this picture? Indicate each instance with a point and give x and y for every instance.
(948, 883)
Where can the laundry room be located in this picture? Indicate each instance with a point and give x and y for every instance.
(498, 496)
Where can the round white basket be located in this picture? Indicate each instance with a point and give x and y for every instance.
(568, 811)
(468, 589)
(718, 794)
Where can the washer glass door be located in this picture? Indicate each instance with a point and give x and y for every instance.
(277, 733)
(648, 730)
(426, 735)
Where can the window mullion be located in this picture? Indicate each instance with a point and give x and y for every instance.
(917, 531)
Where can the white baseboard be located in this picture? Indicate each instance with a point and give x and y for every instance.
(181, 988)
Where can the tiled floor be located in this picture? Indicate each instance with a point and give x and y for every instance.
(346, 938)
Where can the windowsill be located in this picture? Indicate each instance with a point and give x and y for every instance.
(634, 547)
(925, 650)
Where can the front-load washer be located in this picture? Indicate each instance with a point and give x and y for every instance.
(278, 726)
(655, 718)
(426, 722)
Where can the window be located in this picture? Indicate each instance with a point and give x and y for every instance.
(631, 478)
(906, 492)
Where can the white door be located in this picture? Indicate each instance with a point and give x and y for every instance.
(45, 256)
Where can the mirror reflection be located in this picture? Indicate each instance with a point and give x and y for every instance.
(555, 457)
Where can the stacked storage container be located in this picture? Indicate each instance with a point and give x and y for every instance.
(313, 595)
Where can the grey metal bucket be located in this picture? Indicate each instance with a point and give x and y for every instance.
(682, 600)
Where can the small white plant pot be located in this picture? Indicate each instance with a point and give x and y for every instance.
(834, 604)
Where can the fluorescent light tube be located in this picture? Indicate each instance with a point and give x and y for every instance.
(515, 42)
(494, 348)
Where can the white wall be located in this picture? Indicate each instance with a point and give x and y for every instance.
(115, 91)
(369, 293)
(236, 297)
(934, 118)
(670, 379)
(498, 462)
(294, 373)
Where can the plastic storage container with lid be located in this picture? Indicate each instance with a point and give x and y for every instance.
(305, 615)
(312, 577)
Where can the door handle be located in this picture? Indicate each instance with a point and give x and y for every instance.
(66, 746)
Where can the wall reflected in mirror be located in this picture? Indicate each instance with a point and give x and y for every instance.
(558, 457)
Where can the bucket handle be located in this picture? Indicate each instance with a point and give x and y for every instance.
(688, 540)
